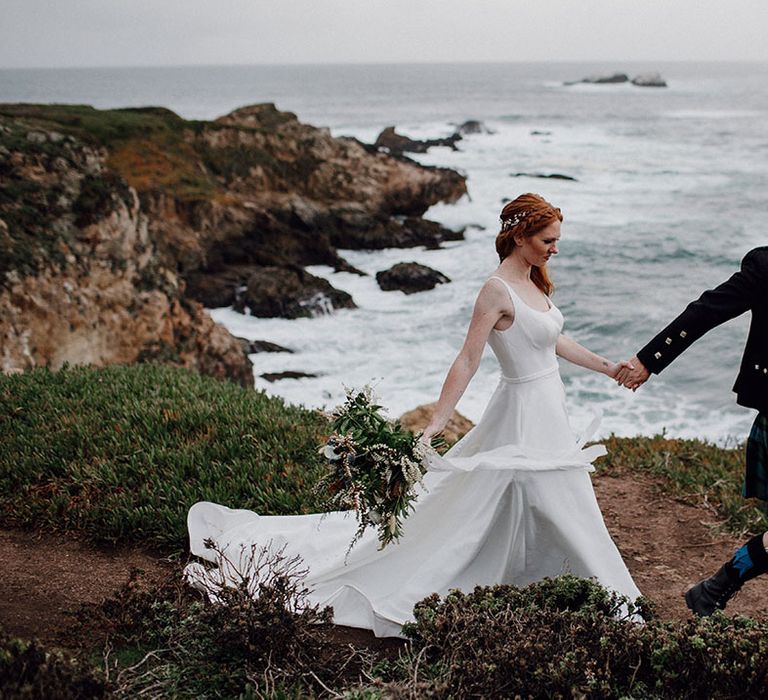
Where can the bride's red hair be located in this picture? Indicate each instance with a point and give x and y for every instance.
(527, 215)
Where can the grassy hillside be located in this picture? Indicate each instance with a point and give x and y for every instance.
(695, 470)
(119, 454)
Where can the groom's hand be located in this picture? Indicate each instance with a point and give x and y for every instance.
(635, 377)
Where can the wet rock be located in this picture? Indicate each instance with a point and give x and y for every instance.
(277, 376)
(395, 143)
(255, 346)
(216, 289)
(649, 80)
(602, 79)
(410, 278)
(548, 176)
(473, 126)
(289, 293)
(401, 232)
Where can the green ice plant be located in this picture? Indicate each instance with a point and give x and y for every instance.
(374, 467)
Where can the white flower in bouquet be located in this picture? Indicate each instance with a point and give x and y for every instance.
(330, 453)
(374, 465)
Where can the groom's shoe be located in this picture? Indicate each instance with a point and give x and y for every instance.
(713, 593)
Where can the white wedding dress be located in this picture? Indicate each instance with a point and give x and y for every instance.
(512, 502)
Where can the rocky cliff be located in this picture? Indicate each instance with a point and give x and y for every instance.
(115, 225)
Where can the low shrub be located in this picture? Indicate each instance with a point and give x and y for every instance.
(119, 454)
(569, 637)
(258, 638)
(28, 671)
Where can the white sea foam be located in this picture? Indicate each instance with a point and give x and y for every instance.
(405, 344)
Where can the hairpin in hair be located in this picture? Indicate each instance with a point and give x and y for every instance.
(507, 224)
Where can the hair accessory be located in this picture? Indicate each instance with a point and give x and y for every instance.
(507, 224)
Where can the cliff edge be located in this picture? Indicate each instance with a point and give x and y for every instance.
(116, 226)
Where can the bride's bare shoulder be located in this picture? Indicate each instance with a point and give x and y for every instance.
(494, 293)
(495, 286)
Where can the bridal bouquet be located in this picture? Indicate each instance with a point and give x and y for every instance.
(374, 466)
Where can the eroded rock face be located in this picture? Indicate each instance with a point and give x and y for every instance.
(115, 224)
(298, 194)
(80, 279)
(410, 278)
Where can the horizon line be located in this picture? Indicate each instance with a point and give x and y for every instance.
(387, 63)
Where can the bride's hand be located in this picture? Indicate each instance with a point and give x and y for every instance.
(429, 432)
(618, 370)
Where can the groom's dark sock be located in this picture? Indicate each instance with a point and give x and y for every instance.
(750, 560)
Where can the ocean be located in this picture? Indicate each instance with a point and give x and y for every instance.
(670, 192)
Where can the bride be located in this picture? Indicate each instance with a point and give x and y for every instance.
(512, 502)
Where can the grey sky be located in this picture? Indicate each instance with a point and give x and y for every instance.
(169, 32)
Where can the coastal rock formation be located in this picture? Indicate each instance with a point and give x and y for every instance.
(473, 126)
(641, 80)
(410, 278)
(608, 79)
(649, 80)
(290, 374)
(280, 291)
(418, 419)
(549, 176)
(114, 223)
(396, 232)
(80, 279)
(254, 346)
(396, 143)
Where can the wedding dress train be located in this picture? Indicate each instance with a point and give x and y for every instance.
(512, 502)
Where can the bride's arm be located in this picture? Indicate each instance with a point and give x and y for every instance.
(570, 350)
(492, 303)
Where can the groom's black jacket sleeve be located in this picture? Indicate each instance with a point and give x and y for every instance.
(746, 290)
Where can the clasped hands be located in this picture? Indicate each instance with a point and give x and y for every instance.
(631, 374)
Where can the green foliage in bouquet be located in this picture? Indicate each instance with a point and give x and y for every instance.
(374, 466)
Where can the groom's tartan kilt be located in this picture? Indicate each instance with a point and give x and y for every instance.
(756, 478)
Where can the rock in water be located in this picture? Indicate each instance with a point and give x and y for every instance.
(397, 232)
(255, 346)
(549, 176)
(281, 292)
(290, 374)
(398, 144)
(649, 80)
(410, 278)
(473, 126)
(602, 79)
